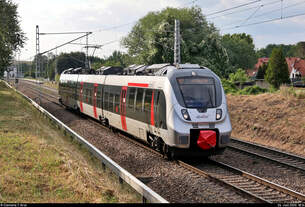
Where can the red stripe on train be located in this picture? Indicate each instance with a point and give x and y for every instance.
(145, 85)
(152, 114)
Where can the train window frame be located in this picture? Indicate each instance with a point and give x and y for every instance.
(134, 100)
(117, 101)
(106, 98)
(111, 102)
(162, 116)
(147, 109)
(139, 109)
(90, 96)
(99, 96)
(190, 77)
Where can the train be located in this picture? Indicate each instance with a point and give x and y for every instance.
(179, 110)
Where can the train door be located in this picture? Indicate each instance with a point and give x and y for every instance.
(94, 99)
(81, 96)
(123, 107)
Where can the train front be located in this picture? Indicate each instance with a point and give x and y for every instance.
(198, 118)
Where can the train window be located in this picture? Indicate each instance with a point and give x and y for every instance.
(147, 99)
(110, 102)
(106, 96)
(139, 99)
(87, 95)
(116, 103)
(197, 92)
(90, 96)
(162, 111)
(98, 96)
(132, 92)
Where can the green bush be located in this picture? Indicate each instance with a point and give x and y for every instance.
(239, 76)
(252, 90)
(57, 78)
(228, 86)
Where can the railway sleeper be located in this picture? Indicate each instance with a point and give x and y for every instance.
(296, 163)
(264, 193)
(251, 189)
(262, 189)
(230, 177)
(284, 200)
(236, 181)
(249, 186)
(278, 196)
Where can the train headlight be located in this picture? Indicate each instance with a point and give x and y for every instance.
(185, 114)
(218, 114)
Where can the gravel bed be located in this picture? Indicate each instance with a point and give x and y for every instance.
(285, 176)
(168, 179)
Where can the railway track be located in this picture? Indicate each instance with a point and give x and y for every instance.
(263, 190)
(245, 183)
(276, 156)
(41, 93)
(40, 85)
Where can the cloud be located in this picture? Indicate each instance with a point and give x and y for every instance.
(96, 15)
(77, 15)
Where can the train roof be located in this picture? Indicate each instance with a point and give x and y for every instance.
(151, 70)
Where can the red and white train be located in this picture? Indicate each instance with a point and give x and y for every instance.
(178, 110)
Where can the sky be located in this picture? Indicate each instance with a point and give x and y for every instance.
(111, 20)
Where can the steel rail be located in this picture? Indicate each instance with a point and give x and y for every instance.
(146, 193)
(289, 159)
(35, 90)
(263, 181)
(221, 181)
(192, 168)
(32, 82)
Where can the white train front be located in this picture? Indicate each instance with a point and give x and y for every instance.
(180, 112)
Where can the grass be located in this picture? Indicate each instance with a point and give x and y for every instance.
(51, 84)
(298, 93)
(39, 164)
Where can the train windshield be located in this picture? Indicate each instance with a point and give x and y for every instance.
(198, 92)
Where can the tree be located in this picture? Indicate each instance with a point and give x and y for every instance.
(261, 71)
(239, 76)
(152, 39)
(277, 72)
(240, 49)
(70, 60)
(300, 49)
(65, 61)
(11, 36)
(288, 50)
(117, 58)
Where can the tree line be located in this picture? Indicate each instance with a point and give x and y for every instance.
(151, 41)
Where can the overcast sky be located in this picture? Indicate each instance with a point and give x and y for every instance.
(110, 20)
